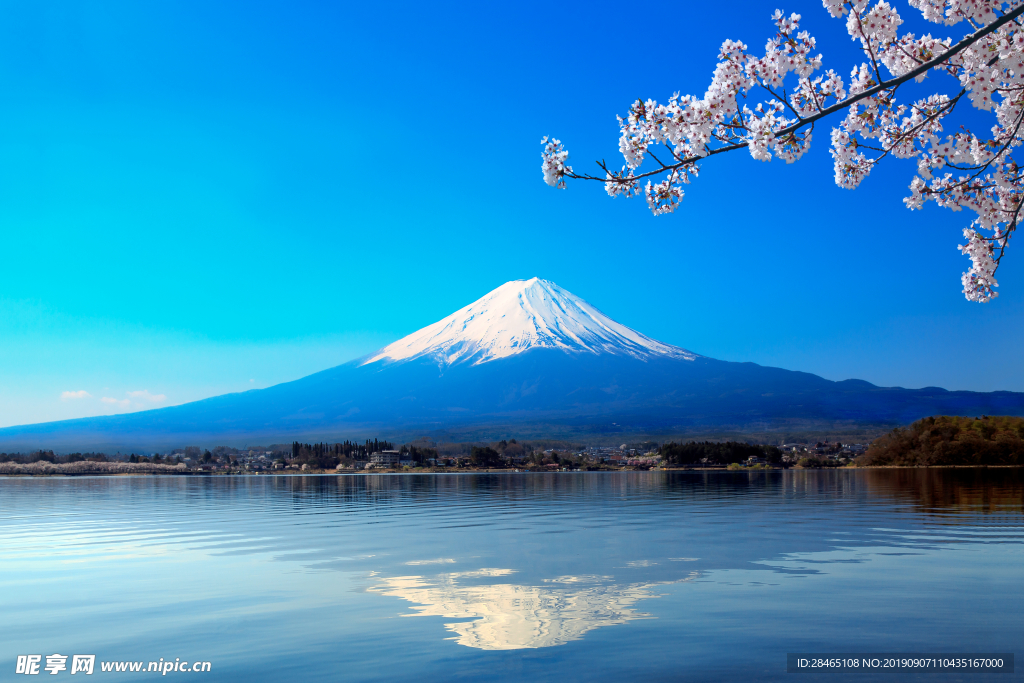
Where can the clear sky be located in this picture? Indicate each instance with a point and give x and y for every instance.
(199, 197)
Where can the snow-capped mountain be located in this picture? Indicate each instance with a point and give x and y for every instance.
(531, 360)
(520, 316)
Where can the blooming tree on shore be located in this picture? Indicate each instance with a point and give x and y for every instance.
(964, 170)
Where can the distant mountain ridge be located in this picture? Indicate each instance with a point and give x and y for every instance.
(529, 355)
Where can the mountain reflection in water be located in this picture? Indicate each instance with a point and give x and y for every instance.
(283, 578)
(508, 616)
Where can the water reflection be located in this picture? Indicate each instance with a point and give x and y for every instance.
(267, 576)
(510, 616)
(993, 491)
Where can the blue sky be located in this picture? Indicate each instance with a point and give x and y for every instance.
(198, 198)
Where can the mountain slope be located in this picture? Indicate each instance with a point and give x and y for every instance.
(529, 353)
(520, 316)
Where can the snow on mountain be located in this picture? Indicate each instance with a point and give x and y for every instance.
(519, 316)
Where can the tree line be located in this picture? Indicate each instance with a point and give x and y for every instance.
(711, 453)
(946, 440)
(418, 454)
(326, 456)
(50, 456)
(156, 458)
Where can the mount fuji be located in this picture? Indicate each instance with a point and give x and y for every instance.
(529, 358)
(521, 316)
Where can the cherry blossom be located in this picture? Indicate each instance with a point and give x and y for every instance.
(958, 171)
(554, 167)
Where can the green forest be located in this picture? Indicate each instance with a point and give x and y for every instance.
(947, 440)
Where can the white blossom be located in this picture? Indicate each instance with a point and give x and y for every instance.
(554, 167)
(791, 147)
(876, 28)
(979, 282)
(621, 183)
(959, 170)
(664, 197)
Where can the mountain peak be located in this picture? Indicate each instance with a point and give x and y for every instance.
(519, 316)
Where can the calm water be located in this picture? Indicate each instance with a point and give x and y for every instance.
(560, 577)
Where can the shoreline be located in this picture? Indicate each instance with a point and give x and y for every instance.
(366, 473)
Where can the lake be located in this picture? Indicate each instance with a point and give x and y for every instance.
(619, 576)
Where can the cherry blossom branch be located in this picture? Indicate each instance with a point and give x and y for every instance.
(828, 111)
(989, 63)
